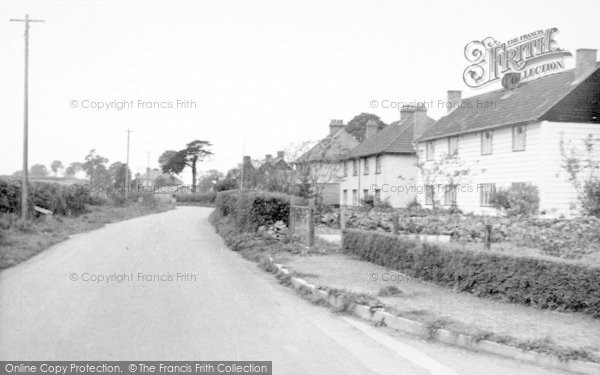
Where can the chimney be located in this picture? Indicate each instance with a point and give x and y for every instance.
(585, 61)
(454, 99)
(406, 111)
(335, 126)
(371, 128)
(420, 121)
(268, 157)
(281, 154)
(247, 161)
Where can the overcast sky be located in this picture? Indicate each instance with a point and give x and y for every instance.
(263, 74)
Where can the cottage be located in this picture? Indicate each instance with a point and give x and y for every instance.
(476, 149)
(384, 164)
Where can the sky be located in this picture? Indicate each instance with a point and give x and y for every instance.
(251, 77)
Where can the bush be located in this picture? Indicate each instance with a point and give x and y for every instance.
(251, 209)
(518, 199)
(200, 198)
(540, 282)
(590, 198)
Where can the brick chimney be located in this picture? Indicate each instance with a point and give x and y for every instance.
(335, 126)
(406, 112)
(454, 99)
(247, 161)
(585, 61)
(371, 128)
(420, 121)
(281, 154)
(267, 157)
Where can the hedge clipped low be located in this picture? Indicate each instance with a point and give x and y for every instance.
(540, 282)
(198, 198)
(252, 208)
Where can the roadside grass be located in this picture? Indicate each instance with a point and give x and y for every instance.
(23, 240)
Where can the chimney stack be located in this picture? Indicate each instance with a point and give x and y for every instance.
(335, 126)
(406, 111)
(419, 121)
(585, 61)
(371, 128)
(268, 157)
(247, 160)
(454, 99)
(281, 154)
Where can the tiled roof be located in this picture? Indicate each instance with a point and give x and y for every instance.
(528, 102)
(396, 138)
(331, 148)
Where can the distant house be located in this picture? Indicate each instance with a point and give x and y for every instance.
(321, 165)
(512, 136)
(156, 178)
(383, 165)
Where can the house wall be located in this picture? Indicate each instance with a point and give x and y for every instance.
(539, 164)
(395, 180)
(502, 167)
(558, 195)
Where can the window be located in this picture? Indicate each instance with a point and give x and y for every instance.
(365, 165)
(450, 195)
(377, 195)
(378, 164)
(485, 192)
(486, 142)
(345, 197)
(452, 147)
(365, 193)
(429, 150)
(518, 136)
(354, 197)
(354, 167)
(429, 194)
(345, 168)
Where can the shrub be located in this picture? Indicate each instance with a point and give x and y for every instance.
(590, 198)
(536, 281)
(251, 209)
(200, 198)
(518, 199)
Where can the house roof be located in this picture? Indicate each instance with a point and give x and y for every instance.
(333, 147)
(529, 102)
(396, 138)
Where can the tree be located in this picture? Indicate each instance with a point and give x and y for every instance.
(358, 125)
(209, 180)
(38, 170)
(175, 161)
(95, 168)
(119, 173)
(56, 166)
(73, 169)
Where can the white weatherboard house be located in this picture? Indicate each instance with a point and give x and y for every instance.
(383, 163)
(511, 136)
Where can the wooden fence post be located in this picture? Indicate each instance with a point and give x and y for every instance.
(311, 222)
(488, 237)
(342, 219)
(291, 219)
(395, 223)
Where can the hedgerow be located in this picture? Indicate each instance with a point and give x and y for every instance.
(538, 281)
(198, 198)
(251, 209)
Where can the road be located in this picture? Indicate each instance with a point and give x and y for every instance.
(221, 307)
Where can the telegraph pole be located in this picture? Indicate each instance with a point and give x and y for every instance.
(24, 192)
(127, 167)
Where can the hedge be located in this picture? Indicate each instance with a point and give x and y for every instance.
(60, 199)
(250, 209)
(540, 282)
(200, 198)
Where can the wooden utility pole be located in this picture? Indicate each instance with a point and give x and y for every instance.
(24, 187)
(127, 167)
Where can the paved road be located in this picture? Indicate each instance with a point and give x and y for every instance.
(221, 308)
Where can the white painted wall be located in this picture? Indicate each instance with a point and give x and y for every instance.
(396, 180)
(539, 164)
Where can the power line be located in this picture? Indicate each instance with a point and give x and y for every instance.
(24, 188)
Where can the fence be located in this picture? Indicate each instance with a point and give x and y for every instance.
(302, 222)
